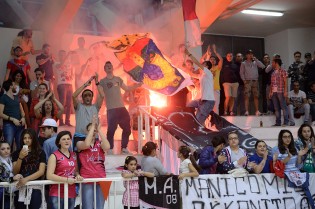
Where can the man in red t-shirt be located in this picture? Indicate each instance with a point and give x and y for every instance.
(18, 64)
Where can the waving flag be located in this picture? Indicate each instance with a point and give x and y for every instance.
(191, 23)
(145, 63)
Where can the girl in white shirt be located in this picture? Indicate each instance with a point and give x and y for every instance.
(188, 166)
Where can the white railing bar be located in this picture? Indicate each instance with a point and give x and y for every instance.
(65, 196)
(142, 109)
(87, 180)
(94, 186)
(80, 192)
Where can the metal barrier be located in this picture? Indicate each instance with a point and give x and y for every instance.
(42, 183)
(149, 130)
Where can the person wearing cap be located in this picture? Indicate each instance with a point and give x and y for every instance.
(17, 63)
(24, 40)
(84, 111)
(49, 129)
(249, 75)
(309, 70)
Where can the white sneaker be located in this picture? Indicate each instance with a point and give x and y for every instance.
(258, 113)
(110, 152)
(246, 113)
(125, 151)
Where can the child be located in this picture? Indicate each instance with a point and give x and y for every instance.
(130, 170)
(188, 166)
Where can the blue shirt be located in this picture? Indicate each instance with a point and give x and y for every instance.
(49, 146)
(257, 159)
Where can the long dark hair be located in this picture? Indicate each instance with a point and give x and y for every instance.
(186, 152)
(35, 147)
(281, 146)
(302, 137)
(22, 83)
(52, 109)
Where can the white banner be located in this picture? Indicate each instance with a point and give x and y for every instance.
(255, 191)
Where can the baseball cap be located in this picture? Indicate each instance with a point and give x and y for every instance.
(249, 51)
(307, 55)
(17, 47)
(49, 122)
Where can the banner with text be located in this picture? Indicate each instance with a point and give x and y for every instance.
(263, 191)
(159, 192)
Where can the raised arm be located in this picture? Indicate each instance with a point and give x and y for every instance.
(220, 63)
(206, 56)
(37, 107)
(100, 96)
(82, 145)
(78, 91)
(194, 59)
(59, 105)
(104, 142)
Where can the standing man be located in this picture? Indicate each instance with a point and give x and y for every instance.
(249, 74)
(229, 81)
(65, 77)
(40, 75)
(49, 129)
(11, 111)
(206, 102)
(84, 111)
(17, 63)
(46, 61)
(295, 69)
(239, 99)
(279, 92)
(117, 114)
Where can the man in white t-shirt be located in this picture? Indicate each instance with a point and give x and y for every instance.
(298, 104)
(207, 99)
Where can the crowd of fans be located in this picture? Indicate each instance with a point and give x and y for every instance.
(31, 110)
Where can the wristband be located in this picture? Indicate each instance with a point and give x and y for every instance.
(97, 83)
(189, 55)
(20, 158)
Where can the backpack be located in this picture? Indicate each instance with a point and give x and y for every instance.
(279, 168)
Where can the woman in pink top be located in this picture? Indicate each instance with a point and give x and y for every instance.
(62, 167)
(92, 158)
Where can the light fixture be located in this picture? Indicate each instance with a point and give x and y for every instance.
(262, 12)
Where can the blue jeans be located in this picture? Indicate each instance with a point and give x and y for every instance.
(240, 101)
(279, 103)
(54, 202)
(88, 196)
(204, 109)
(65, 98)
(121, 117)
(12, 133)
(36, 200)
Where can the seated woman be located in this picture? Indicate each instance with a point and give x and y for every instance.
(236, 157)
(305, 139)
(261, 158)
(92, 158)
(210, 156)
(150, 163)
(287, 153)
(30, 162)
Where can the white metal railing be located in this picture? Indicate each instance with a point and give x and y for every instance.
(148, 130)
(42, 183)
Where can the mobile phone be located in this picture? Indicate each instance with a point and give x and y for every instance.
(25, 147)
